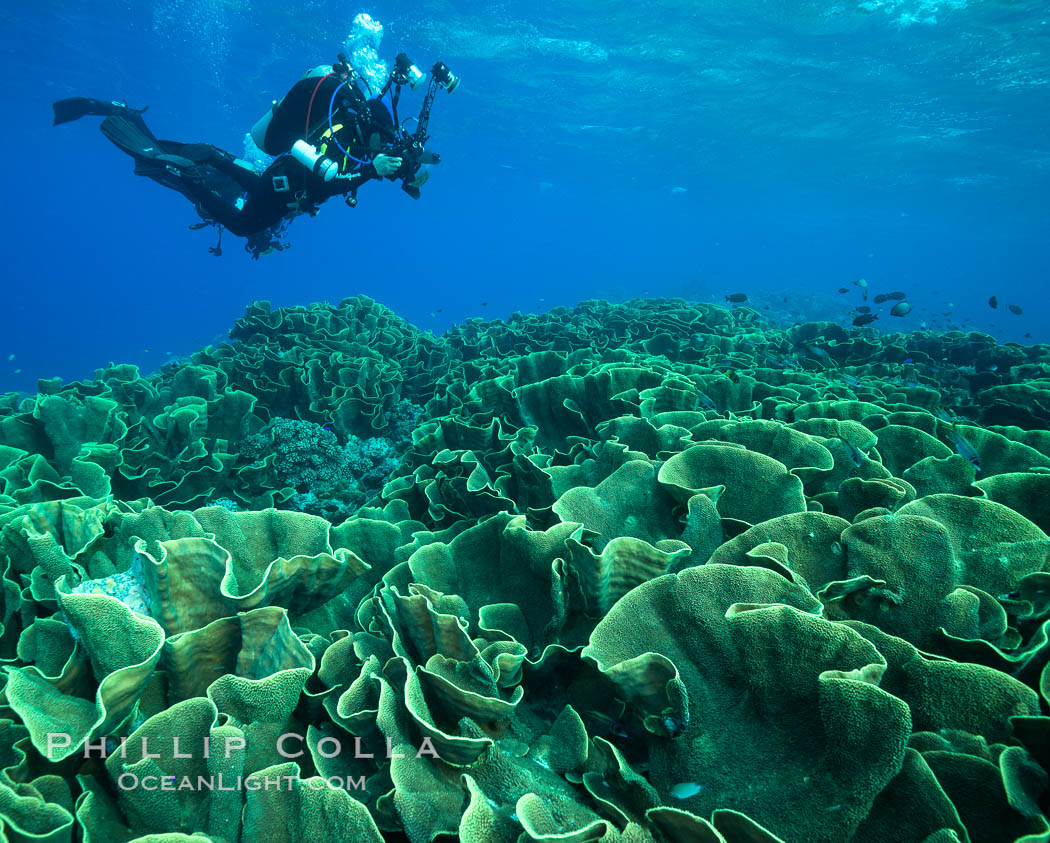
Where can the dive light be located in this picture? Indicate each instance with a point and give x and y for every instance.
(445, 77)
(406, 72)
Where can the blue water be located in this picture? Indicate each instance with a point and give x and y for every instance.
(592, 150)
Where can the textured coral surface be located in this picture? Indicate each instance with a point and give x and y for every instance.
(654, 571)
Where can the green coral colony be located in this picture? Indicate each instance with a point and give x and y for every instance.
(656, 571)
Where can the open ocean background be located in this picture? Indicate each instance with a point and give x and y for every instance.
(593, 150)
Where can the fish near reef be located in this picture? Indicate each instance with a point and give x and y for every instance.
(993, 302)
(820, 354)
(737, 298)
(684, 790)
(865, 319)
(703, 400)
(901, 308)
(855, 453)
(965, 449)
(1014, 309)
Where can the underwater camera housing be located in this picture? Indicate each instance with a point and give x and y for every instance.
(410, 148)
(413, 156)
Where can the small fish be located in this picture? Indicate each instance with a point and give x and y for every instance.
(18, 371)
(1027, 336)
(865, 319)
(10, 357)
(855, 453)
(911, 359)
(819, 353)
(993, 302)
(864, 308)
(881, 297)
(675, 725)
(1013, 308)
(896, 296)
(484, 304)
(901, 308)
(965, 449)
(736, 298)
(440, 310)
(608, 723)
(860, 282)
(684, 790)
(843, 289)
(703, 400)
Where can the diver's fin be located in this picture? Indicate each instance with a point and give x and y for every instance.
(68, 110)
(152, 157)
(132, 137)
(177, 162)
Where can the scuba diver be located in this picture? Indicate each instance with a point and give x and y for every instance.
(326, 136)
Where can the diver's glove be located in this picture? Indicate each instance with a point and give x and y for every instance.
(386, 165)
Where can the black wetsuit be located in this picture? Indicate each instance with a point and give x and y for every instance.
(244, 201)
(287, 187)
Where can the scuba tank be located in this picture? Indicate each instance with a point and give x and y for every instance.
(258, 131)
(262, 125)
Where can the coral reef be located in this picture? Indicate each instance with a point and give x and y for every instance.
(657, 571)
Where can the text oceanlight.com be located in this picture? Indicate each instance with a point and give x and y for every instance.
(288, 745)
